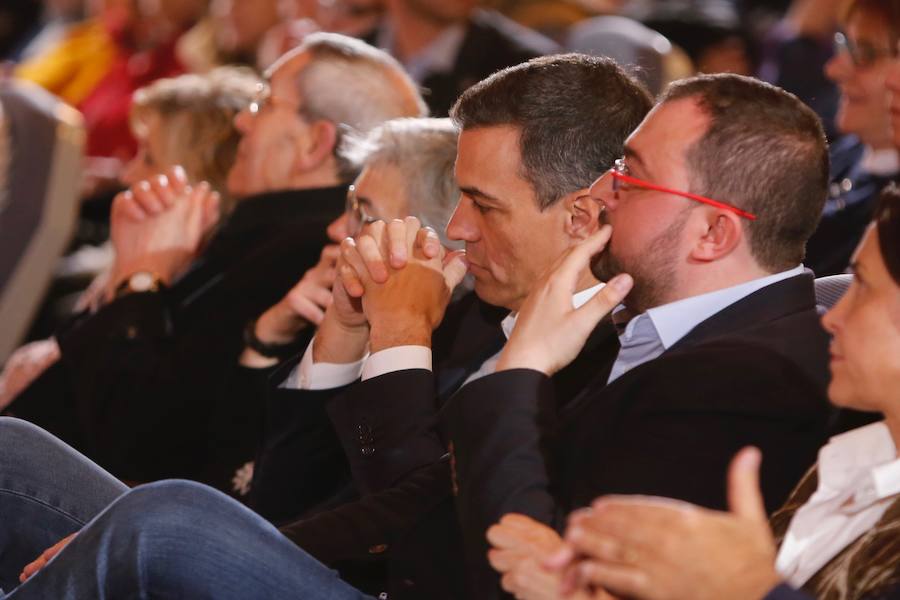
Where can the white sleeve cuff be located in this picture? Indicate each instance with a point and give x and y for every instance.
(309, 375)
(398, 358)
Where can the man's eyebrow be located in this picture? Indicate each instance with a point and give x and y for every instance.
(473, 191)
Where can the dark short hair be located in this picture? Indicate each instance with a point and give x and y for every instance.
(573, 112)
(764, 151)
(887, 221)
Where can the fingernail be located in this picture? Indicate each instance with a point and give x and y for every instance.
(179, 172)
(621, 283)
(162, 180)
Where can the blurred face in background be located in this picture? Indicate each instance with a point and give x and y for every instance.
(152, 157)
(859, 68)
(241, 24)
(893, 86)
(272, 132)
(441, 11)
(379, 193)
(865, 325)
(350, 17)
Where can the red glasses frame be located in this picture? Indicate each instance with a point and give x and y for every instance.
(618, 173)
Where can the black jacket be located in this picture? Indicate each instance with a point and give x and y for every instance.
(399, 460)
(316, 443)
(753, 374)
(142, 386)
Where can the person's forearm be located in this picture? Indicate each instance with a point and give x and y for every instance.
(336, 343)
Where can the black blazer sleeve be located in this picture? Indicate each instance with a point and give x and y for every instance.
(668, 431)
(371, 524)
(386, 427)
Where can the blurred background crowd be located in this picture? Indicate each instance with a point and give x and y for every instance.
(102, 57)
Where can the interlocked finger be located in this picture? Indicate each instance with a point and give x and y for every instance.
(163, 191)
(370, 252)
(146, 199)
(397, 246)
(352, 269)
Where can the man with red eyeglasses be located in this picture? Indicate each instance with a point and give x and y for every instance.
(720, 343)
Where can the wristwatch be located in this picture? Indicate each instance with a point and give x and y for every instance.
(142, 281)
(269, 350)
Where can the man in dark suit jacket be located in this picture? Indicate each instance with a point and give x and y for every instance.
(386, 422)
(449, 45)
(721, 346)
(138, 381)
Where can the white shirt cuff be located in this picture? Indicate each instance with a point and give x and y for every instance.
(398, 358)
(309, 375)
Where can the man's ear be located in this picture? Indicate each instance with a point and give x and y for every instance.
(582, 214)
(720, 233)
(317, 147)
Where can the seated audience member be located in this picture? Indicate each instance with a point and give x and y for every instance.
(137, 381)
(837, 535)
(719, 296)
(551, 197)
(384, 422)
(865, 160)
(794, 51)
(187, 121)
(448, 45)
(721, 345)
(72, 66)
(407, 170)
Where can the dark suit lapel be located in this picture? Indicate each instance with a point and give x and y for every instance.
(469, 335)
(768, 304)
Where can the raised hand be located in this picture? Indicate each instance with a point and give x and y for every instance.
(343, 334)
(158, 226)
(304, 304)
(661, 549)
(549, 331)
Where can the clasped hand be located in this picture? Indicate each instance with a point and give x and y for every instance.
(158, 226)
(404, 278)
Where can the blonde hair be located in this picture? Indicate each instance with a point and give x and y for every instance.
(197, 118)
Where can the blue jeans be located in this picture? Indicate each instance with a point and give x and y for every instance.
(171, 539)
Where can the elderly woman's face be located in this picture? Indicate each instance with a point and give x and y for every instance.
(865, 350)
(379, 193)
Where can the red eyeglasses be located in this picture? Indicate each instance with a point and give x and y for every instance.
(620, 176)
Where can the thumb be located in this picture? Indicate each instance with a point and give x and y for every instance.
(744, 498)
(455, 268)
(607, 299)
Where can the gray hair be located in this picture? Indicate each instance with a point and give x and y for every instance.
(424, 151)
(355, 86)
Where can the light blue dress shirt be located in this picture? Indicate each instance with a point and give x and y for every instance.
(649, 334)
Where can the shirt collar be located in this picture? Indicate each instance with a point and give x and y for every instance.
(578, 300)
(882, 163)
(864, 459)
(675, 320)
(437, 57)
